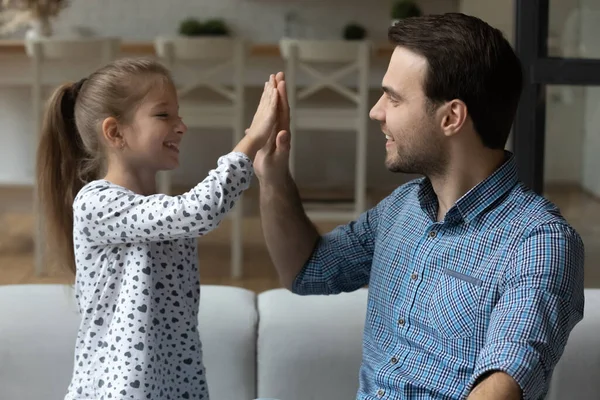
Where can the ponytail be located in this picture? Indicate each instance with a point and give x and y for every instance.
(71, 152)
(60, 160)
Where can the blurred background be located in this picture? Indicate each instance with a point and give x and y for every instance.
(564, 146)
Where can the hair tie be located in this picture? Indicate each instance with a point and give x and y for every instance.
(69, 99)
(77, 87)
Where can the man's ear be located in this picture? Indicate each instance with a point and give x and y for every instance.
(454, 115)
(112, 134)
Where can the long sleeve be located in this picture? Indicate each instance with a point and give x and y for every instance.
(341, 260)
(109, 214)
(542, 302)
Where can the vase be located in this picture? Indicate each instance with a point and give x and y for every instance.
(39, 28)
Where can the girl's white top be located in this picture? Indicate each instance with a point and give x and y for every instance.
(138, 287)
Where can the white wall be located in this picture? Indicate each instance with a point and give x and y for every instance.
(591, 142)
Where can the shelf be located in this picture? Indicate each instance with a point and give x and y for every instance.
(17, 47)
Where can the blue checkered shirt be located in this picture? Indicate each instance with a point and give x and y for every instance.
(496, 286)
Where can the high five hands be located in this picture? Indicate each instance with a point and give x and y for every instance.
(271, 164)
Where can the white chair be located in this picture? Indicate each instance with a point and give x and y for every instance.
(84, 54)
(350, 57)
(215, 54)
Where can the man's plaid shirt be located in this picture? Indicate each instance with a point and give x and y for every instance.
(496, 286)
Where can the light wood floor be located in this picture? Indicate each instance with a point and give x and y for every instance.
(16, 243)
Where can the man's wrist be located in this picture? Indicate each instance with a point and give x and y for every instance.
(269, 185)
(277, 184)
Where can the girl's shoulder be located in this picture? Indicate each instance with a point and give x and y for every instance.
(97, 191)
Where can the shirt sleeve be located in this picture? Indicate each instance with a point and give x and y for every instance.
(542, 301)
(106, 215)
(341, 260)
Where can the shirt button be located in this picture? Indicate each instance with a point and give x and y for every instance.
(380, 393)
(401, 321)
(432, 234)
(414, 277)
(394, 360)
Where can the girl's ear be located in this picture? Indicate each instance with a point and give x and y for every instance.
(112, 134)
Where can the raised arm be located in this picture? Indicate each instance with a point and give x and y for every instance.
(305, 261)
(104, 213)
(289, 234)
(109, 214)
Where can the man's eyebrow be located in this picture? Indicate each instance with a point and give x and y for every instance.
(391, 92)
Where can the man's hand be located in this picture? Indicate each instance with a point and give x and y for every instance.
(289, 234)
(283, 109)
(272, 161)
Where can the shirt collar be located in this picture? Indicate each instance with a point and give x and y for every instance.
(476, 200)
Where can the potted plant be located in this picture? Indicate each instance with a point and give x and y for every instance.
(211, 27)
(216, 27)
(35, 14)
(190, 27)
(405, 9)
(354, 31)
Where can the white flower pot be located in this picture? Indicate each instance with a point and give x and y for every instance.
(39, 28)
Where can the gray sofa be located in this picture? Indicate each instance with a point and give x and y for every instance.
(271, 345)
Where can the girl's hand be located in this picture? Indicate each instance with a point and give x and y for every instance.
(265, 118)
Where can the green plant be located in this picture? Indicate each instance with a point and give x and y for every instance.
(190, 27)
(211, 27)
(216, 27)
(405, 9)
(354, 31)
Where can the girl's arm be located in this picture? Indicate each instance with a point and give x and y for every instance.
(108, 214)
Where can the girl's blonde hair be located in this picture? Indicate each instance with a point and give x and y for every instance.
(71, 151)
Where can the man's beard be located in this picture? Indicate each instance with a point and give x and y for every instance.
(429, 159)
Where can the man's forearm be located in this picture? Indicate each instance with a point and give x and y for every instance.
(290, 235)
(496, 386)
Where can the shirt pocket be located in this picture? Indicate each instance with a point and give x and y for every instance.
(453, 305)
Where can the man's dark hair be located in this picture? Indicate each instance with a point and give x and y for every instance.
(470, 61)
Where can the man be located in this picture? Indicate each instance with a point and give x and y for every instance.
(475, 282)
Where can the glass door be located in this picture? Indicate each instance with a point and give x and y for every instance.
(556, 136)
(569, 54)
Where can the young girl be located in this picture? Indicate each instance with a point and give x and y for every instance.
(134, 252)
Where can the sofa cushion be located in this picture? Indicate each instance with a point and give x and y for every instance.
(228, 323)
(309, 347)
(39, 326)
(37, 338)
(576, 374)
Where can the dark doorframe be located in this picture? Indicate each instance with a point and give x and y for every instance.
(529, 130)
